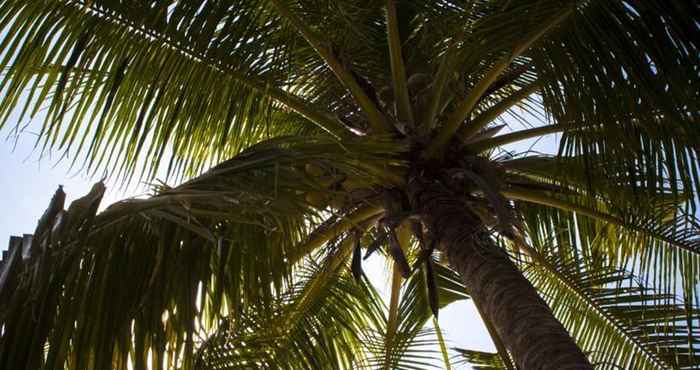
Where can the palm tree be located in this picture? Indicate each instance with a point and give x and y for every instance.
(334, 126)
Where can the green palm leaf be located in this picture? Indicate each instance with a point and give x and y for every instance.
(617, 226)
(481, 360)
(412, 345)
(617, 318)
(155, 85)
(298, 123)
(320, 323)
(178, 260)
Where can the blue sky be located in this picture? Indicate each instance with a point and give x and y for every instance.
(28, 182)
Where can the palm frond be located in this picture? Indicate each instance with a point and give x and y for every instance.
(152, 274)
(481, 360)
(320, 323)
(503, 51)
(649, 221)
(619, 320)
(621, 76)
(413, 346)
(299, 119)
(644, 51)
(661, 246)
(127, 83)
(626, 96)
(369, 106)
(404, 111)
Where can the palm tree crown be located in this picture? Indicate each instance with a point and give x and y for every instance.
(307, 135)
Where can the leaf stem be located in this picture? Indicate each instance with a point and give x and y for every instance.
(403, 234)
(322, 119)
(398, 69)
(376, 118)
(441, 342)
(464, 109)
(485, 144)
(318, 239)
(542, 199)
(515, 193)
(480, 122)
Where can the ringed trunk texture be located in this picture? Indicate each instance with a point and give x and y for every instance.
(523, 321)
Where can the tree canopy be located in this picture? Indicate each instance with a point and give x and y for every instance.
(293, 128)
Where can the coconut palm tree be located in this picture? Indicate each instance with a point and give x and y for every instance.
(311, 130)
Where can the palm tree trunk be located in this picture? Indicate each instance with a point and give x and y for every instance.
(521, 318)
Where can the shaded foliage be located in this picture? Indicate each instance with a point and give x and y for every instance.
(287, 122)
